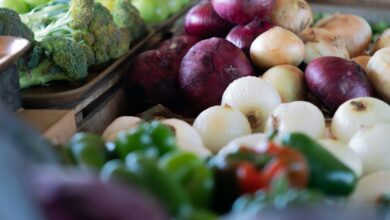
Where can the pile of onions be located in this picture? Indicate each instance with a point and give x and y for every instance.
(357, 113)
(371, 144)
(378, 70)
(277, 46)
(383, 41)
(208, 69)
(202, 21)
(334, 80)
(242, 11)
(294, 15)
(254, 97)
(288, 80)
(219, 125)
(297, 116)
(320, 43)
(243, 35)
(353, 30)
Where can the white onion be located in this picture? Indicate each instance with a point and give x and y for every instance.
(218, 125)
(383, 41)
(369, 189)
(254, 97)
(277, 46)
(320, 43)
(288, 80)
(357, 113)
(372, 145)
(378, 71)
(294, 15)
(345, 154)
(362, 61)
(352, 29)
(120, 124)
(187, 137)
(249, 141)
(297, 116)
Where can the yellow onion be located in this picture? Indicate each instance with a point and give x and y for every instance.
(320, 43)
(277, 46)
(294, 15)
(382, 42)
(378, 71)
(352, 29)
(362, 61)
(120, 124)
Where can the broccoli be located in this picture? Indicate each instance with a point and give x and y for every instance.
(125, 15)
(11, 24)
(53, 59)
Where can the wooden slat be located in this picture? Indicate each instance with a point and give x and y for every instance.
(56, 125)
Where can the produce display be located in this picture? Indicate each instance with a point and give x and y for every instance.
(275, 109)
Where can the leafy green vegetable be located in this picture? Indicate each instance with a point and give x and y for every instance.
(12, 25)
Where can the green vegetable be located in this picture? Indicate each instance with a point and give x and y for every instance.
(127, 17)
(159, 183)
(16, 5)
(152, 11)
(116, 170)
(192, 173)
(12, 25)
(327, 173)
(380, 27)
(198, 214)
(147, 136)
(35, 3)
(87, 150)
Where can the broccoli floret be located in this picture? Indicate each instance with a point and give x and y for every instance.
(53, 59)
(11, 24)
(125, 15)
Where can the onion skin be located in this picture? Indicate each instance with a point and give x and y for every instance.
(334, 80)
(354, 30)
(379, 72)
(243, 11)
(277, 46)
(202, 21)
(294, 15)
(208, 69)
(362, 61)
(179, 44)
(243, 36)
(382, 42)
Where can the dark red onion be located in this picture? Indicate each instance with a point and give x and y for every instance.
(243, 36)
(179, 44)
(243, 11)
(335, 80)
(202, 21)
(207, 70)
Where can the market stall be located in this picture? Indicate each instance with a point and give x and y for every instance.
(212, 109)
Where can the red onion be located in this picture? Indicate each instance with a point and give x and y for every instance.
(179, 44)
(243, 36)
(335, 80)
(202, 21)
(207, 70)
(243, 11)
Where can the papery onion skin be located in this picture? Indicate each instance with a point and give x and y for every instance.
(362, 61)
(277, 46)
(357, 113)
(243, 11)
(371, 143)
(298, 116)
(378, 71)
(243, 36)
(334, 80)
(382, 42)
(320, 43)
(179, 44)
(294, 15)
(254, 97)
(218, 125)
(202, 21)
(354, 30)
(208, 69)
(288, 80)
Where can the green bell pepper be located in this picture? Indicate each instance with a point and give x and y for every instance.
(147, 136)
(327, 173)
(192, 173)
(159, 183)
(87, 150)
(115, 170)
